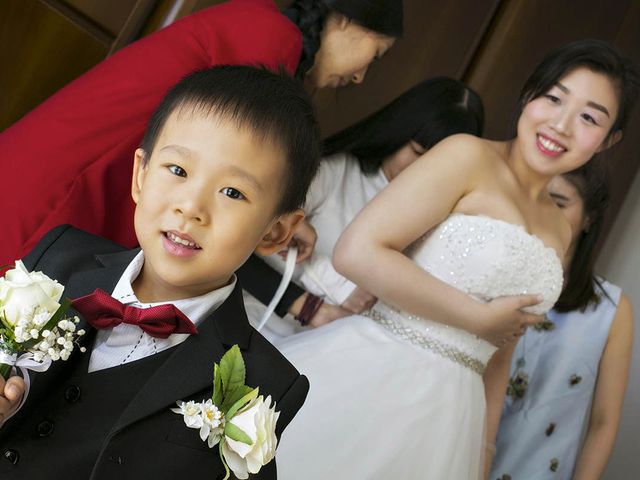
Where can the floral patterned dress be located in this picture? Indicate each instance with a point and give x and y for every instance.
(553, 377)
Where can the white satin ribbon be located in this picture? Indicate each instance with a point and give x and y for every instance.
(290, 266)
(25, 362)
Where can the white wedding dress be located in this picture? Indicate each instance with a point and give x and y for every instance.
(394, 396)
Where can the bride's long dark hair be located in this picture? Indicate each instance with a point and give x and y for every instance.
(382, 16)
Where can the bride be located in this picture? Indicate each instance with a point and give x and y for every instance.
(463, 250)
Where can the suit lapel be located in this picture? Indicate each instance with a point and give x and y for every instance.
(104, 277)
(189, 369)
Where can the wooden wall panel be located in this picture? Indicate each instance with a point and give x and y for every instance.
(625, 161)
(111, 15)
(40, 52)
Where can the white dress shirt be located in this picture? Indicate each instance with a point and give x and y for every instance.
(126, 343)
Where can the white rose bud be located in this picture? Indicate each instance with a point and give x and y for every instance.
(24, 294)
(258, 421)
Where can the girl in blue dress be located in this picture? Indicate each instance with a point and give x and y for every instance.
(568, 376)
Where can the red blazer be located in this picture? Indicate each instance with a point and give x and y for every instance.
(70, 159)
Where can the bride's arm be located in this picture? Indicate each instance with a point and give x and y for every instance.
(369, 252)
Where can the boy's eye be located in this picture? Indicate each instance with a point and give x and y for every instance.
(232, 193)
(176, 170)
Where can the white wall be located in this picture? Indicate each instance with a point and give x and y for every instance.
(619, 262)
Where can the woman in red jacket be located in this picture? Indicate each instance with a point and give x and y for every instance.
(69, 160)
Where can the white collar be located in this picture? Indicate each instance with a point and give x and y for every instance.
(196, 308)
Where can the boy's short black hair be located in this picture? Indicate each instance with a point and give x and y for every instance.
(273, 106)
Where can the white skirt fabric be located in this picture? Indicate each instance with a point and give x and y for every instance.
(380, 407)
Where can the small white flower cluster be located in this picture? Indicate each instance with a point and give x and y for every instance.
(204, 416)
(57, 343)
(30, 322)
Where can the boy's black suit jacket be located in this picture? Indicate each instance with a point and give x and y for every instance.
(147, 440)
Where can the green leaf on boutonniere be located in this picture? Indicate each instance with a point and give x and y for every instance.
(5, 323)
(216, 398)
(236, 433)
(7, 333)
(238, 394)
(241, 402)
(232, 374)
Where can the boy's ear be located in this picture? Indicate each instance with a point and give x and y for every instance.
(611, 141)
(139, 172)
(280, 233)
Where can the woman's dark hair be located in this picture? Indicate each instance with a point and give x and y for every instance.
(382, 16)
(580, 286)
(426, 114)
(597, 56)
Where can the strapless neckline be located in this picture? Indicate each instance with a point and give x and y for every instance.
(516, 226)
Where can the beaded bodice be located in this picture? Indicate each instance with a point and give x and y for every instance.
(486, 258)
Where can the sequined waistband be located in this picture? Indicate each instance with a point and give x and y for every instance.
(427, 342)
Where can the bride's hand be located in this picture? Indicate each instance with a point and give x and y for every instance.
(502, 320)
(327, 313)
(359, 301)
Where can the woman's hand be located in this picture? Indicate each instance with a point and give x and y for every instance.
(327, 313)
(304, 238)
(502, 320)
(359, 301)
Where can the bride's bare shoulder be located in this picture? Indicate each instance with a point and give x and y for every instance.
(472, 151)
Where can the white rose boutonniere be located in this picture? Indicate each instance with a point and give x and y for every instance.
(258, 421)
(237, 419)
(33, 331)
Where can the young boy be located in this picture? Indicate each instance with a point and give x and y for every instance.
(222, 171)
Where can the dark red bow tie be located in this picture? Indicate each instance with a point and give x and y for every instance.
(102, 311)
